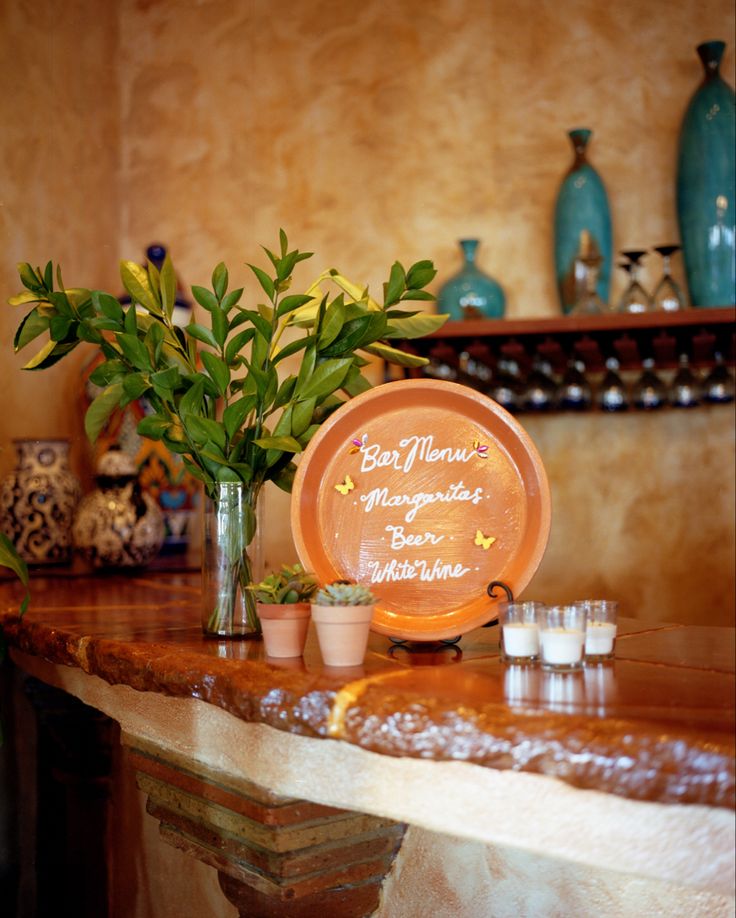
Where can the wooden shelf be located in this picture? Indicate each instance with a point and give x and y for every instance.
(699, 333)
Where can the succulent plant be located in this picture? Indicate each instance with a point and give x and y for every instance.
(344, 593)
(289, 585)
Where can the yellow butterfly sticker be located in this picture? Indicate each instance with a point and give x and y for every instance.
(345, 487)
(484, 542)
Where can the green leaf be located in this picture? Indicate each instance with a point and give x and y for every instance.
(357, 333)
(10, 558)
(301, 415)
(49, 354)
(236, 344)
(168, 286)
(292, 302)
(396, 284)
(292, 348)
(135, 385)
(285, 391)
(107, 372)
(168, 378)
(153, 426)
(393, 355)
(206, 298)
(264, 280)
(220, 326)
(23, 298)
(418, 295)
(138, 284)
(231, 299)
(30, 279)
(220, 280)
(423, 323)
(191, 401)
(194, 330)
(33, 325)
(263, 327)
(285, 444)
(154, 340)
(224, 473)
(234, 415)
(327, 377)
(420, 274)
(308, 362)
(203, 430)
(355, 383)
(284, 479)
(333, 321)
(196, 471)
(283, 242)
(218, 370)
(131, 320)
(134, 350)
(101, 409)
(108, 305)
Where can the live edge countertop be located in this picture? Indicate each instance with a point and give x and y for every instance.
(657, 724)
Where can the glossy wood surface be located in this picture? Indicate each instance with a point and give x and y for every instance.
(656, 724)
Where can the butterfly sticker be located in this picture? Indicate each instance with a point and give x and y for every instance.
(346, 486)
(484, 542)
(357, 445)
(481, 449)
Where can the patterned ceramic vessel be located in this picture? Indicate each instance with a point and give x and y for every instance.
(38, 500)
(118, 524)
(471, 294)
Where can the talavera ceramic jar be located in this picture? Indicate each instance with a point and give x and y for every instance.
(118, 524)
(37, 502)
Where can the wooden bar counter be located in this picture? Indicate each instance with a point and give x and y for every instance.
(295, 782)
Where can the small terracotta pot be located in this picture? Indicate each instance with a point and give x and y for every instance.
(342, 632)
(284, 628)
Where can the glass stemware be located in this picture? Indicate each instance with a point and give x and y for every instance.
(634, 298)
(719, 384)
(540, 392)
(589, 303)
(575, 393)
(685, 388)
(649, 391)
(612, 394)
(668, 295)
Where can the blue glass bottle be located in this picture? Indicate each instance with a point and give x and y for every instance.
(706, 186)
(582, 219)
(471, 294)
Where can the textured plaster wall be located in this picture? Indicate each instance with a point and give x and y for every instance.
(373, 131)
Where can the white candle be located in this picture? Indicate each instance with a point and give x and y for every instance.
(562, 646)
(599, 638)
(521, 639)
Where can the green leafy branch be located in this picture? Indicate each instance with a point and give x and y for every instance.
(215, 389)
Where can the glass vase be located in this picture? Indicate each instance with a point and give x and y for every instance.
(706, 186)
(582, 226)
(232, 558)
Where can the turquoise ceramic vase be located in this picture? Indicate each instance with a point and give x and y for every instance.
(706, 186)
(582, 225)
(471, 294)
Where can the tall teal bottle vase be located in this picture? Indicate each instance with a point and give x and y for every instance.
(581, 212)
(706, 186)
(471, 293)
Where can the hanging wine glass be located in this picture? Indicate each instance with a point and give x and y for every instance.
(634, 298)
(575, 393)
(540, 392)
(668, 295)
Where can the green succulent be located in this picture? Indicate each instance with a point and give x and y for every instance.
(289, 585)
(342, 593)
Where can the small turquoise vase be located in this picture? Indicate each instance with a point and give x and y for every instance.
(471, 294)
(706, 186)
(582, 223)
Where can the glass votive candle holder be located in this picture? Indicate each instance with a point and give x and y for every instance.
(519, 624)
(562, 637)
(601, 628)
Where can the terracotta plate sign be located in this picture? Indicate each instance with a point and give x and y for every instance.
(426, 491)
